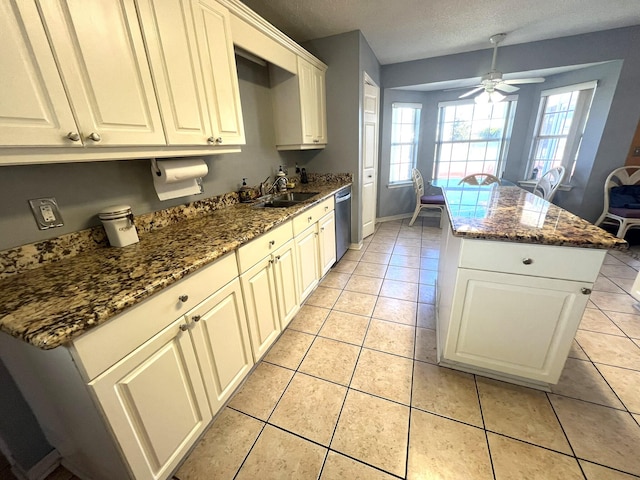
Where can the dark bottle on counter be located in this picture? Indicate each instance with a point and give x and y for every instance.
(303, 176)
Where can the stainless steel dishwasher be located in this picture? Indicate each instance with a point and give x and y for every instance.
(343, 221)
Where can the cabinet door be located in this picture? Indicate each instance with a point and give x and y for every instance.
(155, 402)
(34, 110)
(220, 335)
(213, 33)
(104, 67)
(173, 53)
(285, 272)
(307, 258)
(312, 103)
(261, 305)
(327, 242)
(514, 324)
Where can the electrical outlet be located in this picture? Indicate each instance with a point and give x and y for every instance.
(46, 213)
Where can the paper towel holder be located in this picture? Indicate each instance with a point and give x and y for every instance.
(154, 165)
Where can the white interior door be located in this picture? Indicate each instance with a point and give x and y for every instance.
(371, 103)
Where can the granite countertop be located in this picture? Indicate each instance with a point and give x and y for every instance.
(54, 303)
(511, 214)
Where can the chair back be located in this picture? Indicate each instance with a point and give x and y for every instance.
(480, 179)
(418, 183)
(548, 183)
(619, 177)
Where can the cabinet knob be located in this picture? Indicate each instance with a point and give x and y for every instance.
(196, 318)
(322, 229)
(309, 219)
(271, 261)
(213, 140)
(73, 136)
(277, 258)
(326, 208)
(183, 298)
(271, 243)
(315, 140)
(585, 291)
(184, 327)
(94, 136)
(527, 261)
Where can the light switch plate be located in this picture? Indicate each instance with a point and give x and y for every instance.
(46, 212)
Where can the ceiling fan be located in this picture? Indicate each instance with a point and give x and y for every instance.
(492, 84)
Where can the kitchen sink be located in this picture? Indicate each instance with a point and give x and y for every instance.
(284, 200)
(276, 204)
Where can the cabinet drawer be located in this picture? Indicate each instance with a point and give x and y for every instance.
(312, 215)
(103, 346)
(567, 263)
(256, 250)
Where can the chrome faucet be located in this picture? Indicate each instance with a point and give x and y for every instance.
(264, 187)
(280, 184)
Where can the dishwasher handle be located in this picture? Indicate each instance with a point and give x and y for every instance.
(344, 198)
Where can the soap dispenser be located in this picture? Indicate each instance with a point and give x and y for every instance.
(281, 180)
(245, 191)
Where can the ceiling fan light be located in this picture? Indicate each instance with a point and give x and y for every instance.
(496, 97)
(484, 97)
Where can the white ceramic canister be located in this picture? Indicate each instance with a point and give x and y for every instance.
(118, 223)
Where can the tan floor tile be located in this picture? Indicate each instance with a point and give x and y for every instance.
(409, 238)
(626, 384)
(577, 352)
(390, 337)
(323, 297)
(428, 277)
(426, 349)
(603, 284)
(345, 327)
(357, 303)
(629, 323)
(445, 449)
(430, 251)
(580, 379)
(514, 460)
(429, 264)
(446, 392)
(611, 260)
(363, 284)
(331, 360)
(262, 390)
(620, 271)
(625, 284)
(278, 455)
(60, 473)
(339, 467)
(371, 269)
(384, 375)
(600, 434)
(309, 319)
(290, 349)
(426, 293)
(400, 290)
(402, 274)
(375, 257)
(413, 251)
(409, 261)
(344, 266)
(374, 431)
(382, 248)
(310, 408)
(594, 320)
(522, 413)
(395, 310)
(335, 280)
(353, 255)
(615, 302)
(426, 316)
(598, 472)
(609, 349)
(223, 448)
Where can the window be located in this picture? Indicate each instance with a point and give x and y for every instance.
(405, 135)
(472, 138)
(562, 116)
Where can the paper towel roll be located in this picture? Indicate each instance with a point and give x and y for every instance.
(178, 178)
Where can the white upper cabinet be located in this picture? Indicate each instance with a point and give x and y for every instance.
(217, 60)
(299, 107)
(34, 109)
(195, 112)
(101, 57)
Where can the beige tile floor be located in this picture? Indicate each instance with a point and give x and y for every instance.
(351, 390)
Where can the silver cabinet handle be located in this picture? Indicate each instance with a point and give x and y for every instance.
(585, 291)
(527, 261)
(196, 318)
(213, 140)
(73, 136)
(94, 136)
(183, 298)
(184, 327)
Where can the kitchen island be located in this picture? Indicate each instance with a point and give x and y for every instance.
(514, 278)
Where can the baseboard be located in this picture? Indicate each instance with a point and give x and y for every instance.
(402, 216)
(44, 467)
(356, 246)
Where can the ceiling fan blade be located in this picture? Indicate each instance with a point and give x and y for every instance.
(518, 81)
(471, 92)
(505, 87)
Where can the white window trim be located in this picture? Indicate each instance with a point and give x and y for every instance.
(416, 106)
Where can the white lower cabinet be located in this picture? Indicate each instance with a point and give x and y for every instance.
(286, 280)
(327, 242)
(307, 256)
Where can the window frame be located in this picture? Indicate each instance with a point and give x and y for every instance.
(415, 144)
(573, 138)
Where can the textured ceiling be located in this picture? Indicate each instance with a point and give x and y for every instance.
(402, 30)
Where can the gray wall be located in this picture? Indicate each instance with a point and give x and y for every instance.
(615, 113)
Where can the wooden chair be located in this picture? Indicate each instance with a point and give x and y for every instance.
(548, 183)
(422, 200)
(480, 179)
(626, 217)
